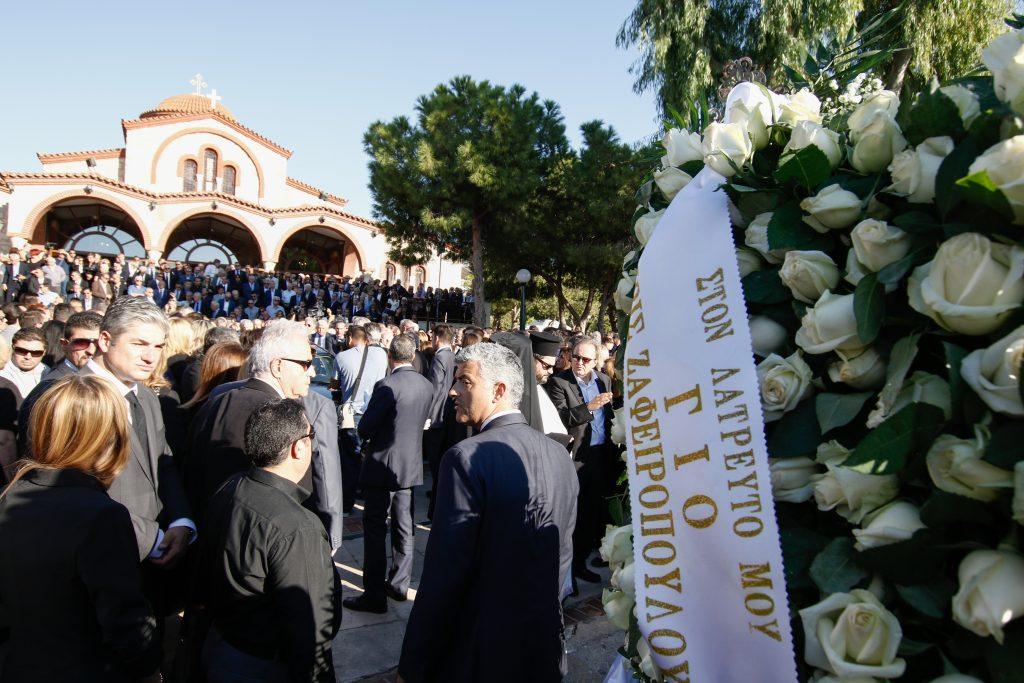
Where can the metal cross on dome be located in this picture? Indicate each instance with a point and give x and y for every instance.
(199, 83)
(214, 98)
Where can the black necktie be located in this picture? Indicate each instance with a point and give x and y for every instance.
(138, 420)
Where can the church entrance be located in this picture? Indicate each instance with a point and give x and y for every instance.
(206, 238)
(319, 250)
(90, 225)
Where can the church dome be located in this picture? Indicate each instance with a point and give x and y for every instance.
(190, 103)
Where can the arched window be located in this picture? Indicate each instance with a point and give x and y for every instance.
(419, 276)
(389, 272)
(227, 185)
(210, 171)
(189, 175)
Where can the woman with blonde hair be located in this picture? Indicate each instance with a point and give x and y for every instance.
(70, 581)
(180, 347)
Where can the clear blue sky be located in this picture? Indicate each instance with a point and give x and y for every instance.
(309, 75)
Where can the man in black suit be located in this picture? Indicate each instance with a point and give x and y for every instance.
(582, 396)
(321, 338)
(15, 276)
(441, 376)
(392, 434)
(500, 546)
(280, 365)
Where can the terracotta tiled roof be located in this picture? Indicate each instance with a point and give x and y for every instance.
(3, 185)
(228, 199)
(74, 156)
(316, 191)
(157, 120)
(189, 103)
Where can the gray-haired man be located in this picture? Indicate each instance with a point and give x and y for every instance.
(501, 540)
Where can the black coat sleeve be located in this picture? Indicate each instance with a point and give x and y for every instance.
(558, 390)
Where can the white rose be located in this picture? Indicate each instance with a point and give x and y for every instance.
(852, 494)
(624, 578)
(670, 180)
(955, 466)
(618, 434)
(971, 286)
(832, 209)
(748, 260)
(646, 224)
(623, 296)
(877, 143)
(807, 133)
(754, 95)
(808, 274)
(1018, 493)
(801, 106)
(990, 594)
(883, 101)
(852, 635)
(681, 146)
(791, 479)
(965, 100)
(994, 372)
(753, 121)
(914, 170)
(766, 335)
(647, 664)
(855, 270)
(831, 453)
(890, 524)
(877, 244)
(726, 147)
(865, 370)
(829, 326)
(920, 387)
(784, 382)
(822, 677)
(629, 258)
(1004, 164)
(1004, 57)
(756, 237)
(618, 605)
(617, 544)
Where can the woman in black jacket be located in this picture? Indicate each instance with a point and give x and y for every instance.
(70, 586)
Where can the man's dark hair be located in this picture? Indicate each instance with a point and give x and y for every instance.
(403, 349)
(61, 312)
(443, 333)
(86, 320)
(29, 334)
(216, 335)
(356, 334)
(32, 318)
(12, 313)
(272, 429)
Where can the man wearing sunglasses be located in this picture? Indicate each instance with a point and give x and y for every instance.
(26, 367)
(280, 366)
(582, 394)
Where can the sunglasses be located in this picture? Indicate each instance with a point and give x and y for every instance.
(543, 364)
(22, 351)
(583, 359)
(304, 363)
(79, 343)
(311, 435)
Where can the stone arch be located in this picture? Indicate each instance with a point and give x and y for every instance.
(205, 209)
(212, 131)
(31, 224)
(360, 254)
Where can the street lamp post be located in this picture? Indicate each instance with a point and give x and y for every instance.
(522, 277)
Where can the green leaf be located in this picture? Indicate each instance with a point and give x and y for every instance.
(917, 223)
(836, 410)
(1006, 662)
(955, 166)
(834, 569)
(787, 230)
(765, 287)
(954, 357)
(616, 511)
(1006, 447)
(930, 599)
(894, 272)
(796, 434)
(869, 307)
(933, 114)
(946, 509)
(887, 448)
(978, 188)
(909, 562)
(692, 168)
(909, 648)
(902, 356)
(808, 167)
(799, 548)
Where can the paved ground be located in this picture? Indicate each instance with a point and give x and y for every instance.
(367, 647)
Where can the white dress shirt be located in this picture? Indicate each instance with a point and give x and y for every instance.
(495, 416)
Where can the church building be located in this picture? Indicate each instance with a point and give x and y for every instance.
(192, 183)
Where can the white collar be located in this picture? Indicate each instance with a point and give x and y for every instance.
(121, 387)
(589, 380)
(495, 416)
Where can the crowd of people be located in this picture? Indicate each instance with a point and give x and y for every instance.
(167, 460)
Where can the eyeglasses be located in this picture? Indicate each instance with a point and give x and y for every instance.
(543, 364)
(311, 435)
(304, 363)
(582, 359)
(79, 343)
(22, 351)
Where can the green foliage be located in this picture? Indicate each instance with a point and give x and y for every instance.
(887, 448)
(837, 410)
(808, 167)
(835, 570)
(869, 307)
